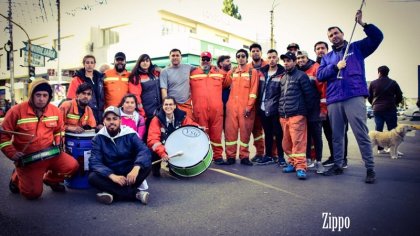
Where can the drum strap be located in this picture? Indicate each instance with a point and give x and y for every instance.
(39, 156)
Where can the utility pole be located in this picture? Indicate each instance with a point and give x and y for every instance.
(58, 42)
(272, 43)
(11, 61)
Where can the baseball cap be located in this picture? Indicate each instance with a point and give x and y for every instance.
(289, 55)
(293, 45)
(205, 54)
(112, 109)
(119, 55)
(302, 53)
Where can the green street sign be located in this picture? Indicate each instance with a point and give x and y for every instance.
(46, 52)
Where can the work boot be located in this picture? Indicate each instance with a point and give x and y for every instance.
(245, 161)
(370, 176)
(219, 161)
(231, 161)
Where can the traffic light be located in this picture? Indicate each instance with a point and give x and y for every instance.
(31, 71)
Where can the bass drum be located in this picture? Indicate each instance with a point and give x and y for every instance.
(197, 153)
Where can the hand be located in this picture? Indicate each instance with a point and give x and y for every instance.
(341, 64)
(203, 128)
(247, 112)
(17, 156)
(165, 158)
(359, 17)
(118, 179)
(131, 177)
(76, 129)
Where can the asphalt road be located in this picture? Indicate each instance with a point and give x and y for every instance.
(236, 200)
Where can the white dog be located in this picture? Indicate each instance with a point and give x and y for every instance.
(390, 139)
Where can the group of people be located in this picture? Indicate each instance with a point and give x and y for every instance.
(285, 108)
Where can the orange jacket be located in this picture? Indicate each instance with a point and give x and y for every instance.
(48, 129)
(243, 90)
(71, 117)
(158, 132)
(263, 63)
(115, 87)
(206, 89)
(320, 86)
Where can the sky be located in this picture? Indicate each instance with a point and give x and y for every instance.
(304, 22)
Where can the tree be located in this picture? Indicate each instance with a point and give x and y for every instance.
(231, 9)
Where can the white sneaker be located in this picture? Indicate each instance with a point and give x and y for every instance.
(143, 197)
(310, 163)
(105, 198)
(400, 153)
(319, 167)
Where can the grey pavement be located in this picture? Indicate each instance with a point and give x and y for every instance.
(262, 201)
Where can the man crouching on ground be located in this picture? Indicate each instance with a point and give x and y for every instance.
(119, 162)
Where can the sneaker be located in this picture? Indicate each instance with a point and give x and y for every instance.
(345, 166)
(245, 161)
(104, 198)
(334, 170)
(257, 158)
(219, 161)
(143, 197)
(276, 159)
(58, 187)
(265, 161)
(282, 162)
(230, 161)
(319, 167)
(370, 176)
(289, 169)
(328, 162)
(310, 163)
(301, 174)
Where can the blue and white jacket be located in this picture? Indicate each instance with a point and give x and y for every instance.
(353, 83)
(118, 155)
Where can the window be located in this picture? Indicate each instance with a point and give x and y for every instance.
(109, 37)
(171, 27)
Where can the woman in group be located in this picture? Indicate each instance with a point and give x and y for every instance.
(130, 116)
(144, 84)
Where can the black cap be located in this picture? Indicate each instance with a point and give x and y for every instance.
(289, 55)
(120, 55)
(293, 45)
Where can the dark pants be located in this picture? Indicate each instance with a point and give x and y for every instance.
(272, 128)
(326, 125)
(315, 138)
(382, 117)
(105, 184)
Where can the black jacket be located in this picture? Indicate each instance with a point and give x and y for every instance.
(297, 94)
(384, 94)
(271, 86)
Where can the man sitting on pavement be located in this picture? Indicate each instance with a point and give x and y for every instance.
(119, 161)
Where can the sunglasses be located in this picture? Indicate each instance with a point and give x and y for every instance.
(240, 56)
(205, 59)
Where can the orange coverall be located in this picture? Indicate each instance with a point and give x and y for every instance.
(71, 117)
(48, 130)
(115, 87)
(206, 91)
(243, 95)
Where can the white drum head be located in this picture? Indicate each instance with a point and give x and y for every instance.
(192, 141)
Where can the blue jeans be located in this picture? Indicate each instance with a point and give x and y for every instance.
(382, 117)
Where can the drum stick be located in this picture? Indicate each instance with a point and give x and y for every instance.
(14, 132)
(179, 153)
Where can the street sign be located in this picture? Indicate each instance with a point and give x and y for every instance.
(36, 60)
(46, 52)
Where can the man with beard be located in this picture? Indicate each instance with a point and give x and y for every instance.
(320, 49)
(116, 81)
(257, 130)
(346, 93)
(206, 84)
(95, 78)
(223, 63)
(318, 112)
(296, 100)
(34, 147)
(77, 115)
(175, 82)
(119, 161)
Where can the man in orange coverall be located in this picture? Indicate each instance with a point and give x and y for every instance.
(77, 115)
(206, 84)
(166, 121)
(44, 121)
(116, 81)
(240, 110)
